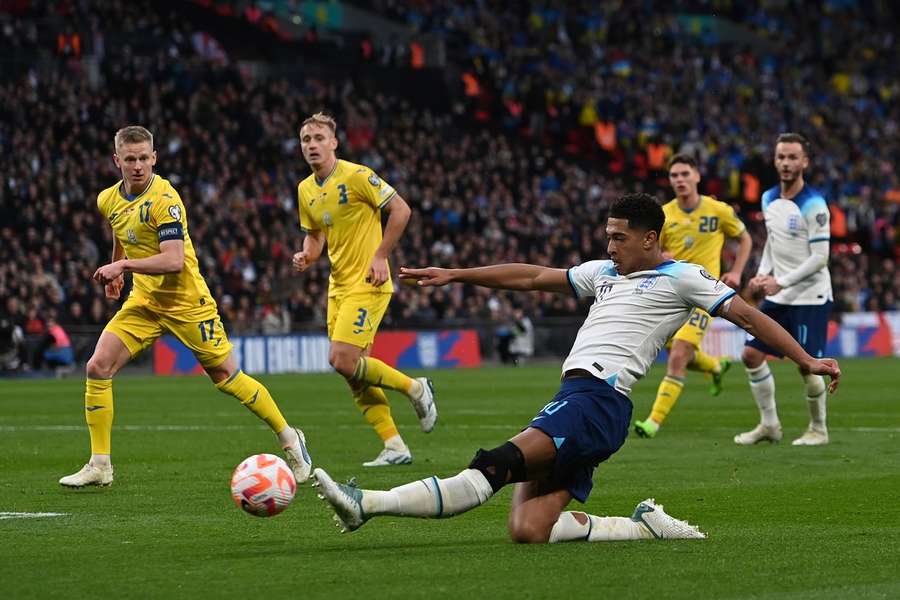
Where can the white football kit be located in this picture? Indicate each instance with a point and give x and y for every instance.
(634, 315)
(797, 244)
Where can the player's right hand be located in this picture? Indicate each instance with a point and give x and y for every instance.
(826, 366)
(113, 289)
(301, 261)
(430, 276)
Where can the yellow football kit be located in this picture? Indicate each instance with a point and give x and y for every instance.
(176, 302)
(697, 236)
(346, 206)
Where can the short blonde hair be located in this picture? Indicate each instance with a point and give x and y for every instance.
(322, 119)
(133, 134)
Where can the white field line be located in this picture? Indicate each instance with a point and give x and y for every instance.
(30, 515)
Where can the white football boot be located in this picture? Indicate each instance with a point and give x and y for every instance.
(390, 457)
(89, 475)
(298, 458)
(345, 500)
(663, 526)
(760, 433)
(425, 407)
(812, 437)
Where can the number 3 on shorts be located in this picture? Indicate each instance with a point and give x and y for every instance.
(360, 321)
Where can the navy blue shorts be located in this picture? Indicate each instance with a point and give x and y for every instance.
(588, 421)
(807, 323)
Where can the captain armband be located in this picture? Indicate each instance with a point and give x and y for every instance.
(170, 231)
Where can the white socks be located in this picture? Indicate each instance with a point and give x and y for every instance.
(396, 442)
(815, 397)
(430, 498)
(762, 386)
(100, 460)
(288, 436)
(596, 529)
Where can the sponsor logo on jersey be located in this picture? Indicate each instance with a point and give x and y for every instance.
(175, 212)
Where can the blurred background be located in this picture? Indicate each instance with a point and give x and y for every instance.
(509, 127)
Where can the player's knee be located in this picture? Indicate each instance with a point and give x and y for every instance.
(682, 353)
(502, 465)
(525, 528)
(751, 357)
(343, 362)
(99, 367)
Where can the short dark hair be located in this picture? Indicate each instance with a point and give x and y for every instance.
(794, 138)
(684, 159)
(641, 210)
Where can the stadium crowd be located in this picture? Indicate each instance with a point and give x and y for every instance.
(522, 170)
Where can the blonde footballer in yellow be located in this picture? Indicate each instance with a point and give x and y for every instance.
(695, 231)
(151, 240)
(340, 204)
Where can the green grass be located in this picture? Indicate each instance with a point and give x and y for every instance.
(783, 522)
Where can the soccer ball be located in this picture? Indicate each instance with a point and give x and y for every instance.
(263, 485)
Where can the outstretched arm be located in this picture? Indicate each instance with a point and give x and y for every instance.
(761, 326)
(511, 276)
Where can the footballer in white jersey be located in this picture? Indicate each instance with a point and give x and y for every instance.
(634, 315)
(793, 274)
(640, 299)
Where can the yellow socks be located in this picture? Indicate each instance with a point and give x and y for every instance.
(666, 397)
(254, 396)
(704, 362)
(375, 372)
(98, 412)
(373, 404)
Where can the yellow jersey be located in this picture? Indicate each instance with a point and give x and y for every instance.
(697, 236)
(347, 207)
(140, 222)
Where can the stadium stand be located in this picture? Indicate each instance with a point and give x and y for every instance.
(521, 168)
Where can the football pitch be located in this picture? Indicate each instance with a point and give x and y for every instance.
(783, 521)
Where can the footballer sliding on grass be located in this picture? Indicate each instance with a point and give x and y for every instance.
(640, 300)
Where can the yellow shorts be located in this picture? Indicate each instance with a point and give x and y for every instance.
(138, 327)
(354, 318)
(694, 328)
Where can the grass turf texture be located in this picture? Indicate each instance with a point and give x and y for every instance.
(783, 522)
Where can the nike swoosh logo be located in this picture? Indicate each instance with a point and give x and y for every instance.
(93, 408)
(253, 399)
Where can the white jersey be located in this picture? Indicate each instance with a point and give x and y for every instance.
(796, 230)
(634, 315)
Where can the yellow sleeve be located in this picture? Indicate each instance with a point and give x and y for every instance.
(732, 226)
(101, 205)
(306, 222)
(168, 216)
(372, 188)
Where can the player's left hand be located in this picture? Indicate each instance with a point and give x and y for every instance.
(378, 272)
(732, 279)
(427, 277)
(826, 366)
(109, 273)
